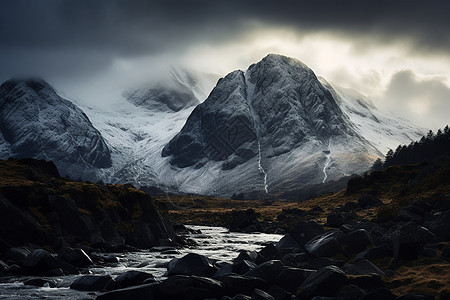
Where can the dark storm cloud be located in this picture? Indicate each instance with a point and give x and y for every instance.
(131, 27)
(105, 29)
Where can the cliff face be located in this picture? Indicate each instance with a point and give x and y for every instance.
(37, 206)
(36, 122)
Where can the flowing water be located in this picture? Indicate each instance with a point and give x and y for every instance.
(216, 243)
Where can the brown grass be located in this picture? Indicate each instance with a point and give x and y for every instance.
(433, 279)
(189, 209)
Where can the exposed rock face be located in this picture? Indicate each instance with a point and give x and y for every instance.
(278, 103)
(277, 121)
(35, 122)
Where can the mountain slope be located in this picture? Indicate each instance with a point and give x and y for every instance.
(273, 127)
(385, 131)
(175, 91)
(136, 132)
(36, 122)
(275, 123)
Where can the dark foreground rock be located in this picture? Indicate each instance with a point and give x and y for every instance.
(141, 292)
(235, 284)
(190, 288)
(245, 221)
(132, 278)
(76, 257)
(324, 282)
(291, 278)
(91, 283)
(191, 264)
(41, 262)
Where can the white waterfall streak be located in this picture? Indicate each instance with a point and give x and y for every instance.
(249, 97)
(327, 154)
(261, 169)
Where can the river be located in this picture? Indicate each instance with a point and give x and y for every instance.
(216, 243)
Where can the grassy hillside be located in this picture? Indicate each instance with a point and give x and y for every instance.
(38, 206)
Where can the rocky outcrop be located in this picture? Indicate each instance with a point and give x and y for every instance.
(39, 208)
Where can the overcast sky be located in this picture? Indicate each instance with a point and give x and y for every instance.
(394, 52)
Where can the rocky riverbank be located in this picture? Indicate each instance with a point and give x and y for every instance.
(354, 260)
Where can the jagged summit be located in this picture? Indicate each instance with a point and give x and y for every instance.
(273, 127)
(273, 60)
(278, 103)
(36, 122)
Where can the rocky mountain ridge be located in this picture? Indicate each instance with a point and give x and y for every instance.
(274, 127)
(271, 128)
(35, 122)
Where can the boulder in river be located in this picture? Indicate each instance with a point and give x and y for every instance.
(75, 256)
(246, 255)
(190, 288)
(17, 255)
(132, 278)
(287, 242)
(41, 262)
(269, 252)
(191, 264)
(91, 283)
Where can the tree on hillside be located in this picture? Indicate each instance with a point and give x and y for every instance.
(429, 147)
(377, 165)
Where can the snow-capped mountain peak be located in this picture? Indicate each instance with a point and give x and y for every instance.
(273, 127)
